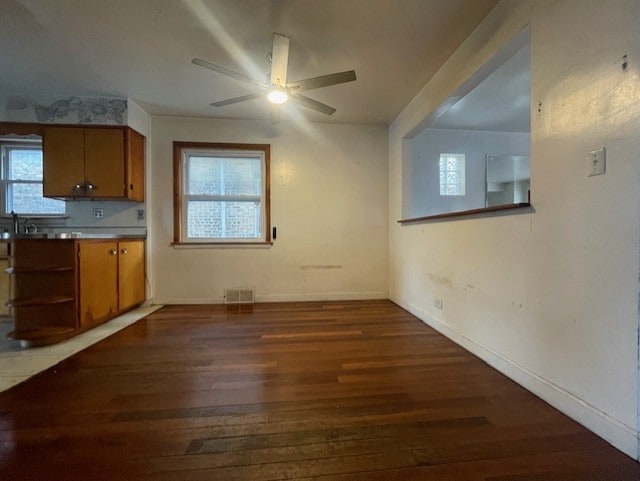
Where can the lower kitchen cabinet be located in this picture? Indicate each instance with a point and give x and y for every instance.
(62, 287)
(131, 290)
(98, 281)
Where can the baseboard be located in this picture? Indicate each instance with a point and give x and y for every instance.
(187, 300)
(618, 434)
(323, 296)
(296, 297)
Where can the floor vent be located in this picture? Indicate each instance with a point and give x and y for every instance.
(238, 296)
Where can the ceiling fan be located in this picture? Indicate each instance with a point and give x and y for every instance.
(278, 91)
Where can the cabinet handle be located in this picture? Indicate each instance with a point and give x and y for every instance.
(124, 251)
(90, 186)
(77, 187)
(113, 252)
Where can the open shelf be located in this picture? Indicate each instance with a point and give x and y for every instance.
(482, 210)
(31, 270)
(42, 336)
(39, 301)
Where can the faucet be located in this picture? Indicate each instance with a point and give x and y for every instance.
(30, 227)
(16, 227)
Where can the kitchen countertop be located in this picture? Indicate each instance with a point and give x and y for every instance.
(7, 237)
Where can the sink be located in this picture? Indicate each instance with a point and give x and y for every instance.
(41, 235)
(10, 235)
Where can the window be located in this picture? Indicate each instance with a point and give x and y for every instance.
(22, 180)
(222, 193)
(451, 174)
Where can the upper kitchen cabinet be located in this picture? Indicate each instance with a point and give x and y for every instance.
(134, 169)
(97, 163)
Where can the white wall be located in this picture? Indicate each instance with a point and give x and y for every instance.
(138, 119)
(328, 200)
(426, 148)
(549, 297)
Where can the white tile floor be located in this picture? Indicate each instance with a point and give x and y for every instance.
(18, 364)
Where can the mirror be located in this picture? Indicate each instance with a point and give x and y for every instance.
(508, 179)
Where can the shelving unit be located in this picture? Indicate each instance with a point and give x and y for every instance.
(44, 289)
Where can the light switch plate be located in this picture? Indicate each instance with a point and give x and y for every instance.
(598, 159)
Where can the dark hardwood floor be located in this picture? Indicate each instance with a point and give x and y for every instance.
(358, 391)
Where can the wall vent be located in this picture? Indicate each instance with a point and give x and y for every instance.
(239, 296)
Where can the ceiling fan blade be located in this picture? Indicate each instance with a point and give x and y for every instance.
(312, 104)
(275, 111)
(279, 60)
(323, 80)
(226, 71)
(235, 100)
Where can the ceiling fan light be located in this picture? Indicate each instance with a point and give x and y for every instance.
(277, 96)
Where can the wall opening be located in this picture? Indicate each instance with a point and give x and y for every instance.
(486, 121)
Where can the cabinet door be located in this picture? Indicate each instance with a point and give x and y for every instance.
(63, 161)
(131, 274)
(5, 292)
(135, 166)
(104, 163)
(98, 280)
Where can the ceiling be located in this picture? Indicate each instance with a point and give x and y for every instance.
(141, 49)
(500, 103)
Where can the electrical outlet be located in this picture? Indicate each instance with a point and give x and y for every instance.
(598, 159)
(140, 214)
(438, 303)
(98, 213)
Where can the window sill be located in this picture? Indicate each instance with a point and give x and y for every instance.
(483, 210)
(224, 245)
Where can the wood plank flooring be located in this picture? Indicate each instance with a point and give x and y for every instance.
(357, 391)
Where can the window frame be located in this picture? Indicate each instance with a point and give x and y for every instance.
(6, 146)
(180, 152)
